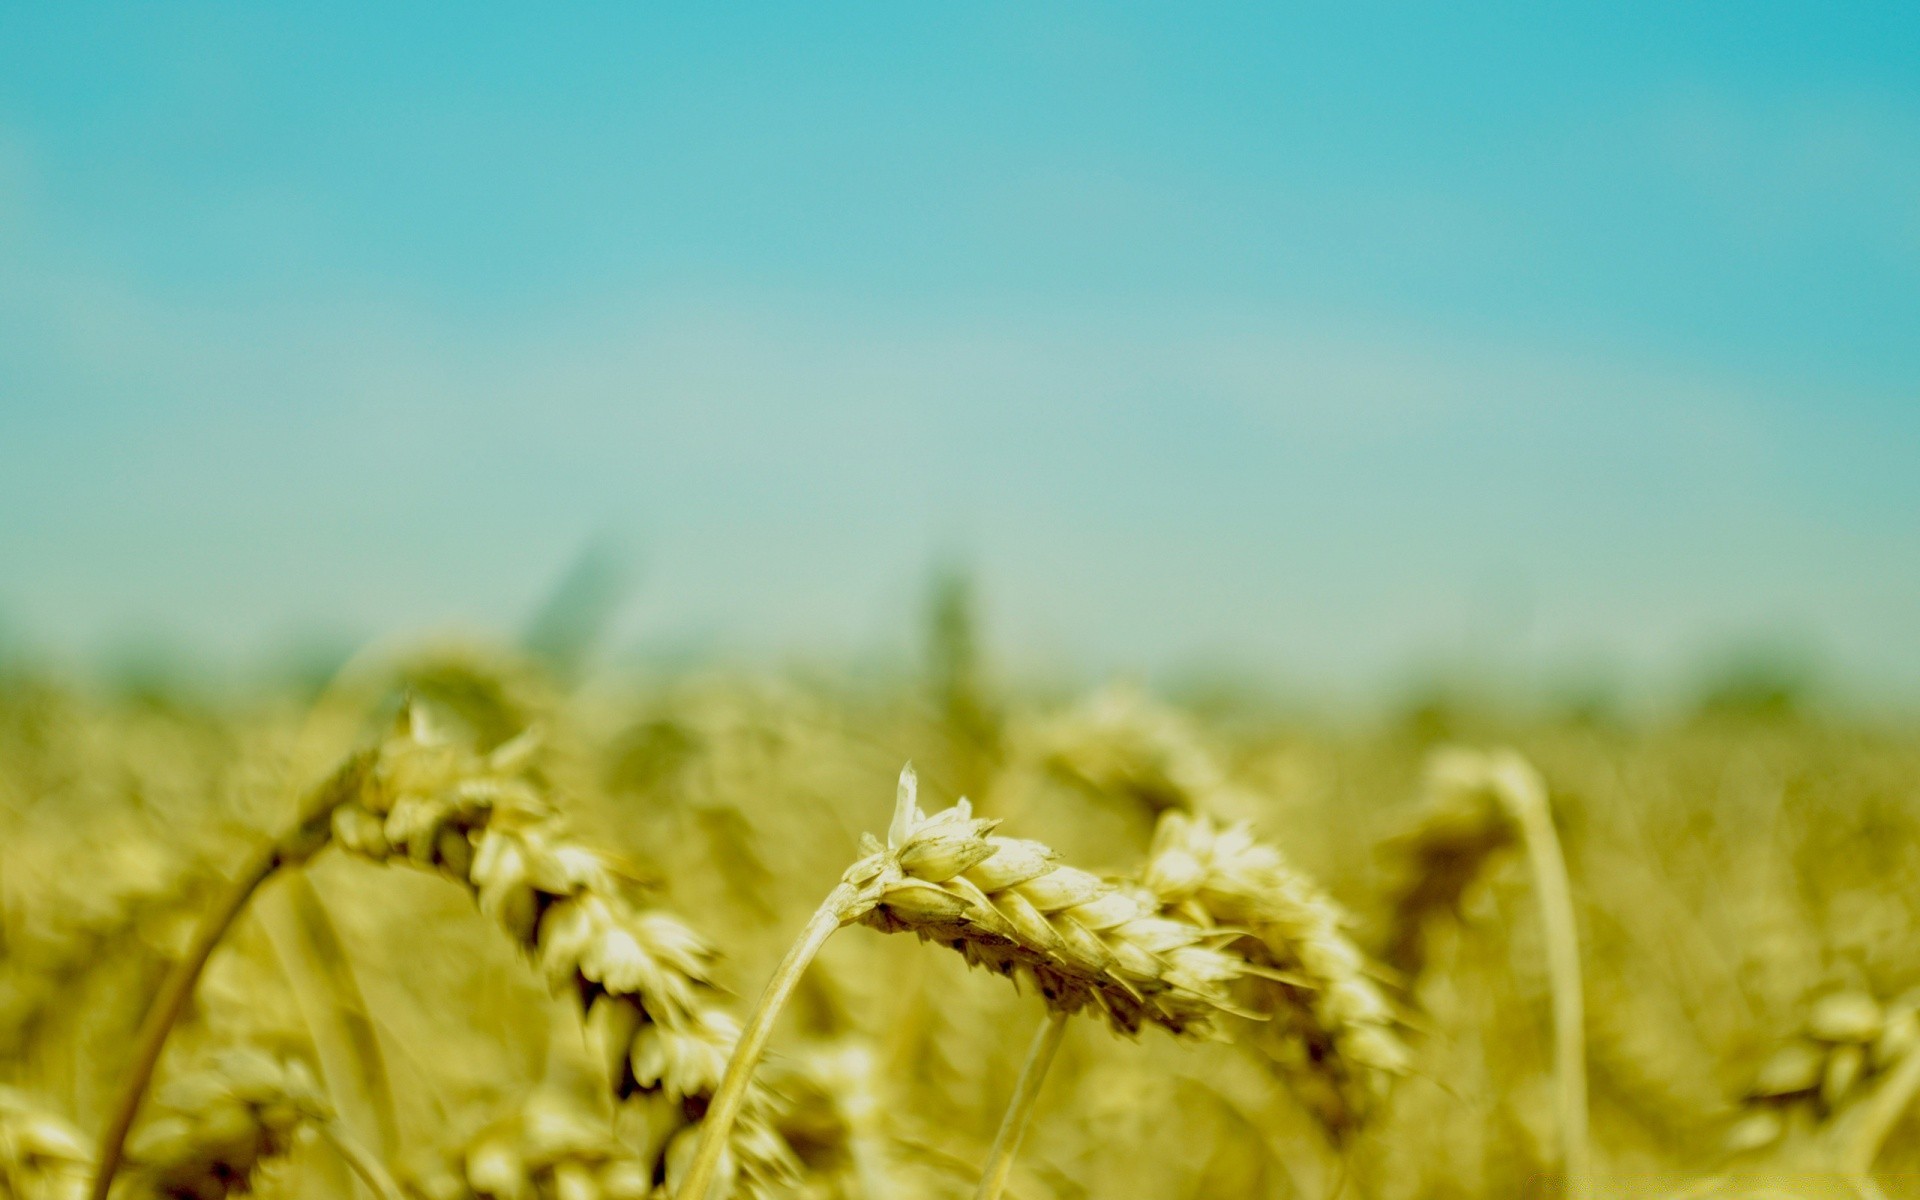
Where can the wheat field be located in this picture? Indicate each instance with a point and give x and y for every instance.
(454, 926)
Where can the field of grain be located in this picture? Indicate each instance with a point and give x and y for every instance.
(471, 929)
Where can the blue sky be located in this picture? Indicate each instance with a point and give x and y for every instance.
(1319, 341)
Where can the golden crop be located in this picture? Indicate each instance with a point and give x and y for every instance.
(469, 933)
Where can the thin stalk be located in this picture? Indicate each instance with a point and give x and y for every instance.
(1554, 894)
(167, 1006)
(724, 1109)
(318, 934)
(331, 1006)
(308, 836)
(1019, 1114)
(362, 1163)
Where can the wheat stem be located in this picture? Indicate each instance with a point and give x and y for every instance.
(727, 1098)
(331, 1006)
(300, 843)
(350, 1004)
(167, 1006)
(1527, 798)
(361, 1161)
(1019, 1114)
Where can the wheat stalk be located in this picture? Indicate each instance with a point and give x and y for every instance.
(1005, 904)
(1019, 1113)
(1478, 803)
(307, 837)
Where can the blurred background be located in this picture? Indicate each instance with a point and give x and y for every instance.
(1337, 348)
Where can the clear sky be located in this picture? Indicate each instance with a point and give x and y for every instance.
(1317, 340)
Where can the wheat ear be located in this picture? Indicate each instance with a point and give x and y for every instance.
(642, 978)
(1006, 905)
(547, 1147)
(1019, 1114)
(1313, 982)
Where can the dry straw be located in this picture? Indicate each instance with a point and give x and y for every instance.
(1008, 905)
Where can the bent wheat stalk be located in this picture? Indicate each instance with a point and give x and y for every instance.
(1526, 795)
(1480, 803)
(1006, 905)
(307, 838)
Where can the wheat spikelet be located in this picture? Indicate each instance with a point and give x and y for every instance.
(42, 1157)
(215, 1125)
(641, 976)
(548, 1148)
(1331, 1021)
(839, 1116)
(1847, 1047)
